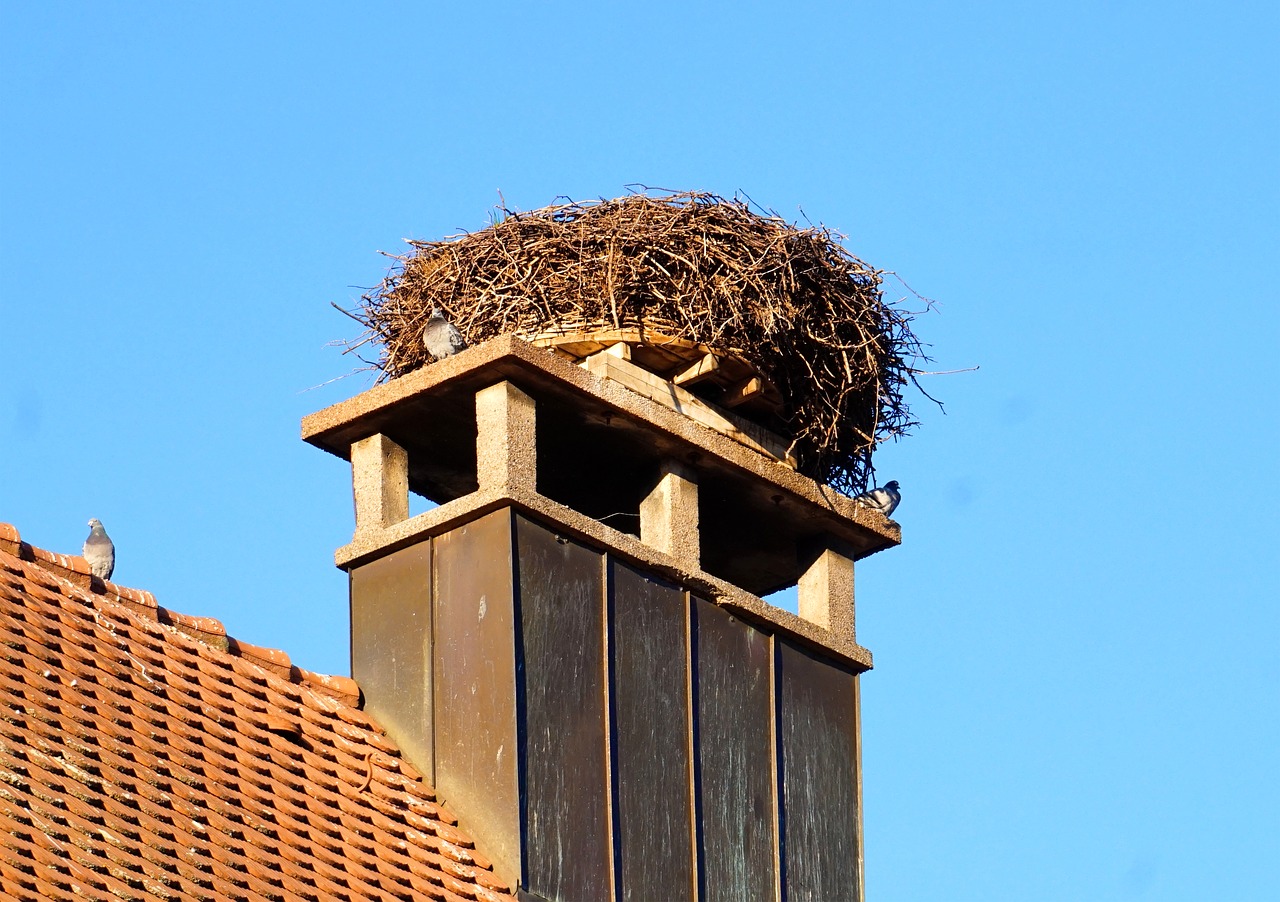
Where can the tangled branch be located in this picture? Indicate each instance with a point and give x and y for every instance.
(791, 301)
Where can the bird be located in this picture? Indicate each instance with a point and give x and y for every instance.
(884, 499)
(441, 337)
(99, 550)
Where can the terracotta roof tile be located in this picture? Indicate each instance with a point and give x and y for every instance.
(144, 754)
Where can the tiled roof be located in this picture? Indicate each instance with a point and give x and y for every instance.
(146, 755)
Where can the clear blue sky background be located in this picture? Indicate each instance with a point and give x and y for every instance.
(1075, 695)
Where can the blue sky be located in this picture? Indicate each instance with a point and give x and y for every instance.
(1075, 693)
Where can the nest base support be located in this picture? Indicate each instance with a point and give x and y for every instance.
(379, 482)
(826, 590)
(506, 446)
(669, 515)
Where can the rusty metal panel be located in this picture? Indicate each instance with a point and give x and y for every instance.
(475, 685)
(391, 647)
(735, 760)
(650, 670)
(817, 703)
(564, 761)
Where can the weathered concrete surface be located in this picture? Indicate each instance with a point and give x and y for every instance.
(506, 437)
(826, 591)
(725, 522)
(669, 514)
(379, 482)
(373, 544)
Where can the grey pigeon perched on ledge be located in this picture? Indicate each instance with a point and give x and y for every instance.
(441, 337)
(99, 551)
(884, 499)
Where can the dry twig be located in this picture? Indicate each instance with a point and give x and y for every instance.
(810, 316)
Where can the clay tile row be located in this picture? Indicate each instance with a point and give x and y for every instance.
(179, 769)
(75, 570)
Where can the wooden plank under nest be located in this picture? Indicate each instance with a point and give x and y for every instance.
(743, 392)
(704, 367)
(591, 340)
(679, 360)
(655, 388)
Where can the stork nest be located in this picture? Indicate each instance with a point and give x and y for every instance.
(791, 301)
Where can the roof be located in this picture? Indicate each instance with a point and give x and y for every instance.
(146, 755)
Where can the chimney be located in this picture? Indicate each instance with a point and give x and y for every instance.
(573, 645)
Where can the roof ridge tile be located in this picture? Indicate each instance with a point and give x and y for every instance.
(209, 630)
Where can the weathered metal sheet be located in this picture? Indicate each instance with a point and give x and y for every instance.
(475, 685)
(391, 647)
(561, 600)
(735, 761)
(817, 703)
(649, 625)
(704, 759)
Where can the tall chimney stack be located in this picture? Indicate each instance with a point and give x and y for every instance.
(573, 646)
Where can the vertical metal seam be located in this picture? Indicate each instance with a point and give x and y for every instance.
(521, 713)
(857, 764)
(778, 775)
(431, 651)
(351, 621)
(695, 764)
(611, 801)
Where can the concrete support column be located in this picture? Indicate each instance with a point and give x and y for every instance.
(506, 445)
(826, 590)
(669, 515)
(380, 482)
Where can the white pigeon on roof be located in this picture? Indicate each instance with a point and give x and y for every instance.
(884, 499)
(99, 550)
(441, 337)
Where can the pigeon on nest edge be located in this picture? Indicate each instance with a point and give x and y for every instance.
(883, 499)
(99, 551)
(441, 337)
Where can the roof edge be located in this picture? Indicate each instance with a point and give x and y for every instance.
(209, 630)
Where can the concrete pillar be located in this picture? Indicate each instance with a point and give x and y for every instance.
(669, 515)
(506, 445)
(380, 482)
(826, 590)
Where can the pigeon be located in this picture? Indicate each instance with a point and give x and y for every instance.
(441, 337)
(883, 499)
(99, 551)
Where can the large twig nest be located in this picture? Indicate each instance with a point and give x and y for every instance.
(807, 314)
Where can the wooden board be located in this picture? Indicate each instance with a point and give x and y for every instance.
(817, 732)
(675, 359)
(583, 343)
(391, 647)
(475, 685)
(566, 797)
(734, 730)
(703, 368)
(651, 704)
(655, 388)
